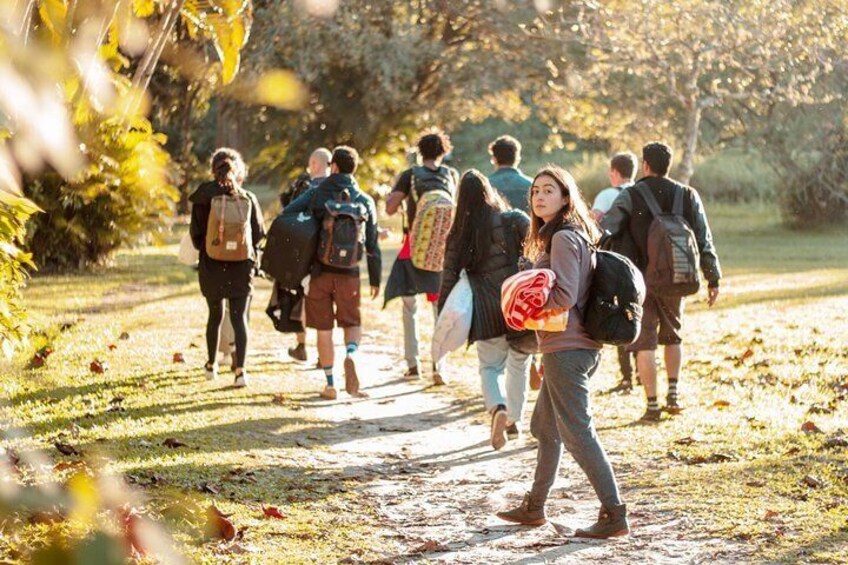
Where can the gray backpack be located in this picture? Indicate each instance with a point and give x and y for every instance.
(672, 249)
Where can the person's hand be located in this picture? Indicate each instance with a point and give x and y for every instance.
(375, 292)
(383, 234)
(713, 295)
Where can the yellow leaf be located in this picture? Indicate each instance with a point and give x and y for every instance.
(144, 8)
(86, 499)
(53, 14)
(281, 89)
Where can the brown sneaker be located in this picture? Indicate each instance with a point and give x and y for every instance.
(438, 380)
(411, 373)
(351, 379)
(535, 377)
(531, 512)
(499, 419)
(611, 523)
(329, 393)
(298, 352)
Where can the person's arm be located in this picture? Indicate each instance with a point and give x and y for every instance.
(372, 247)
(399, 191)
(257, 223)
(616, 218)
(703, 236)
(198, 225)
(450, 270)
(565, 263)
(299, 204)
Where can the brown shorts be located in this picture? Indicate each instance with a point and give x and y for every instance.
(662, 317)
(327, 290)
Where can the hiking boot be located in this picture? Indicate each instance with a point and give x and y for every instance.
(612, 522)
(499, 419)
(329, 393)
(351, 379)
(512, 431)
(438, 380)
(651, 416)
(671, 405)
(241, 380)
(535, 377)
(625, 386)
(298, 352)
(211, 370)
(411, 373)
(530, 512)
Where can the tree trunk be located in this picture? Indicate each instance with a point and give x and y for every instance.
(690, 147)
(144, 72)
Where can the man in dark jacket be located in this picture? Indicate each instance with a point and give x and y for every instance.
(630, 213)
(508, 179)
(317, 171)
(333, 291)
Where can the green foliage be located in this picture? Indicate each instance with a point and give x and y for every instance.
(14, 212)
(121, 195)
(736, 176)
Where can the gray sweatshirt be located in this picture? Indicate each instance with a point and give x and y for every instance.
(571, 259)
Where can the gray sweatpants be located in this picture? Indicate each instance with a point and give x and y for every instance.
(562, 417)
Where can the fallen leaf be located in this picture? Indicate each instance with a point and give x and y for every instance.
(771, 515)
(124, 336)
(37, 361)
(812, 481)
(173, 443)
(98, 366)
(688, 440)
(178, 358)
(208, 488)
(431, 545)
(112, 347)
(721, 403)
(66, 449)
(192, 345)
(756, 483)
(273, 512)
(792, 451)
(65, 465)
(218, 525)
(279, 399)
(810, 427)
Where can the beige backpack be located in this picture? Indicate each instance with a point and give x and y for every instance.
(228, 234)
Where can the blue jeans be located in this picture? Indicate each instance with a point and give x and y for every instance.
(562, 418)
(497, 358)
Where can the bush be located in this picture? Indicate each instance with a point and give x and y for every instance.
(735, 176)
(123, 193)
(14, 212)
(816, 193)
(591, 175)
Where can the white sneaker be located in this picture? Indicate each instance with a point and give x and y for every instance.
(211, 373)
(241, 380)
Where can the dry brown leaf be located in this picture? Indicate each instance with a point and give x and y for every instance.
(218, 525)
(173, 443)
(273, 512)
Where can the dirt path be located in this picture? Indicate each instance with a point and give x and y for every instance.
(424, 458)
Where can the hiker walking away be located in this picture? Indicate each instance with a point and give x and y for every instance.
(668, 226)
(348, 231)
(317, 170)
(622, 171)
(486, 240)
(226, 227)
(562, 415)
(508, 179)
(427, 190)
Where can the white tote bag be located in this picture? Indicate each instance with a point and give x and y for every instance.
(187, 255)
(454, 323)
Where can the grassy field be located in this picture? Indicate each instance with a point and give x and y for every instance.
(770, 357)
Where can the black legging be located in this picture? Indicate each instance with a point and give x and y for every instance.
(238, 317)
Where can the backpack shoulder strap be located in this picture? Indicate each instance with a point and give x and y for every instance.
(648, 196)
(677, 206)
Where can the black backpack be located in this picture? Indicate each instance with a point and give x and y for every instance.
(342, 237)
(290, 247)
(613, 312)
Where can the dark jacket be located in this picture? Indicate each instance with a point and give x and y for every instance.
(497, 263)
(315, 198)
(514, 186)
(222, 279)
(630, 214)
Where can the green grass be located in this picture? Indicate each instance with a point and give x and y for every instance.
(785, 297)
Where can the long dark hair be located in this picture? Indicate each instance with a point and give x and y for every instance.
(229, 169)
(472, 226)
(575, 212)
